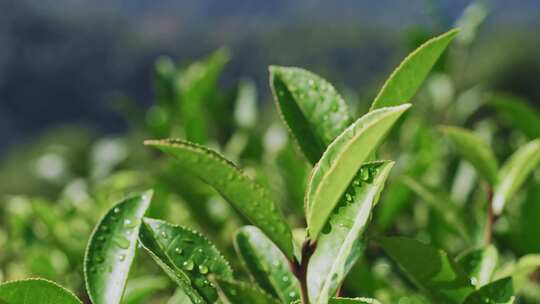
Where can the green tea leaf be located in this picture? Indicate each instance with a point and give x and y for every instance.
(480, 265)
(266, 264)
(187, 253)
(514, 172)
(194, 86)
(139, 289)
(341, 161)
(429, 268)
(111, 249)
(441, 203)
(248, 197)
(35, 291)
(475, 150)
(498, 292)
(341, 242)
(312, 109)
(353, 301)
(402, 85)
(242, 293)
(518, 113)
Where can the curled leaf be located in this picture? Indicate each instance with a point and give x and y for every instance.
(111, 249)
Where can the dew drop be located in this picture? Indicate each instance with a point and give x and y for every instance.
(164, 234)
(292, 294)
(188, 265)
(121, 242)
(178, 250)
(116, 210)
(203, 269)
(122, 257)
(285, 279)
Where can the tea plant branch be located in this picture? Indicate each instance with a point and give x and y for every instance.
(299, 268)
(491, 217)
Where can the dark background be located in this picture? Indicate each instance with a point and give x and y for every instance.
(63, 62)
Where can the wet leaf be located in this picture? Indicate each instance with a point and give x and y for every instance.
(190, 256)
(402, 85)
(111, 249)
(498, 292)
(514, 172)
(242, 293)
(341, 161)
(312, 109)
(475, 150)
(480, 265)
(35, 291)
(266, 264)
(341, 242)
(248, 197)
(430, 268)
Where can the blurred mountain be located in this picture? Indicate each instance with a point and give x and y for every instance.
(62, 61)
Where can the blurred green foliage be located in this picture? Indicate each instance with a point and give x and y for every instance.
(54, 189)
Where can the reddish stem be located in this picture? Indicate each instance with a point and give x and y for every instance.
(299, 269)
(491, 218)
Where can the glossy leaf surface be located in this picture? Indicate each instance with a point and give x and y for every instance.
(266, 264)
(498, 292)
(248, 197)
(312, 109)
(480, 265)
(341, 161)
(514, 172)
(475, 150)
(341, 242)
(402, 85)
(187, 253)
(236, 292)
(111, 249)
(34, 291)
(430, 268)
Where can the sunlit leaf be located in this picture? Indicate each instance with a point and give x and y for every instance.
(480, 265)
(514, 172)
(430, 268)
(111, 249)
(310, 106)
(521, 271)
(341, 161)
(266, 264)
(35, 291)
(243, 293)
(402, 85)
(498, 292)
(190, 256)
(248, 197)
(475, 150)
(341, 242)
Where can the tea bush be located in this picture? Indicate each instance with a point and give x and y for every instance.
(455, 224)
